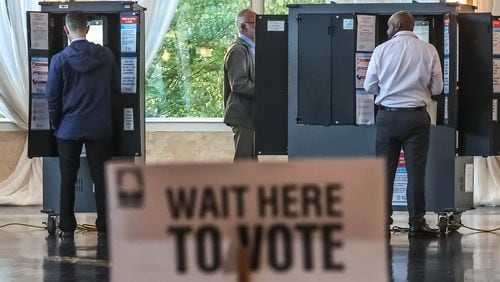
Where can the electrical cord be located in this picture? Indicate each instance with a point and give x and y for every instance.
(79, 227)
(478, 229)
(394, 229)
(398, 229)
(22, 224)
(86, 227)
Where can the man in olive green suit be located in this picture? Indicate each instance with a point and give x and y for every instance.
(239, 86)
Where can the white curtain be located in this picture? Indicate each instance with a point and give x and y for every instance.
(495, 9)
(23, 186)
(487, 181)
(159, 14)
(487, 170)
(484, 5)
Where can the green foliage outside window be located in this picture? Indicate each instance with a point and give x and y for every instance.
(186, 77)
(278, 7)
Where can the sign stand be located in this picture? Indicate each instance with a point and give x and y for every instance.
(243, 265)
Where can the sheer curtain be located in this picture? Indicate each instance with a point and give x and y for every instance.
(159, 14)
(487, 170)
(24, 185)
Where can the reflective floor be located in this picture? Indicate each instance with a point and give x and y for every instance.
(463, 255)
(28, 254)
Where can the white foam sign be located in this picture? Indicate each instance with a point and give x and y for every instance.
(305, 220)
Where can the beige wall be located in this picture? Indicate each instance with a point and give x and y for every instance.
(164, 146)
(11, 147)
(161, 146)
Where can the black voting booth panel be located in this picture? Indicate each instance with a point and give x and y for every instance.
(118, 25)
(325, 80)
(321, 90)
(118, 21)
(478, 119)
(326, 74)
(271, 84)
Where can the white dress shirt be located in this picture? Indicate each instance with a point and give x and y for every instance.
(404, 72)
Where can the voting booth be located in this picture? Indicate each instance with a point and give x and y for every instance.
(479, 85)
(329, 114)
(118, 25)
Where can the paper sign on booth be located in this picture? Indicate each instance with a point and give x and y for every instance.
(39, 31)
(298, 221)
(129, 75)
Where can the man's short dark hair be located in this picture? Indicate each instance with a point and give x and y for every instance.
(76, 20)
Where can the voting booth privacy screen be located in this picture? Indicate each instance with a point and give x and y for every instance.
(329, 114)
(118, 25)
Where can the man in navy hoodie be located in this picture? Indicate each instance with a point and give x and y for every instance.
(81, 80)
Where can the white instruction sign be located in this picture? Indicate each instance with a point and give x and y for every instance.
(275, 25)
(365, 108)
(128, 119)
(446, 76)
(39, 31)
(39, 114)
(366, 33)
(281, 222)
(129, 75)
(496, 75)
(494, 110)
(348, 24)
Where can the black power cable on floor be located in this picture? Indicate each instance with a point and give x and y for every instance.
(80, 227)
(394, 229)
(398, 229)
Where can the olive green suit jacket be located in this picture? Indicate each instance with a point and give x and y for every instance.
(239, 85)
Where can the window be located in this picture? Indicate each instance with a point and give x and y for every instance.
(278, 7)
(186, 76)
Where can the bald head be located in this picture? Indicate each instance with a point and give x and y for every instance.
(399, 21)
(246, 23)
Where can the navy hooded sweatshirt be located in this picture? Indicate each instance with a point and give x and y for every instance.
(81, 81)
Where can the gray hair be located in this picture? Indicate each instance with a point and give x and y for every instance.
(241, 17)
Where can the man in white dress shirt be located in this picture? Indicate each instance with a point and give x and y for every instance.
(404, 72)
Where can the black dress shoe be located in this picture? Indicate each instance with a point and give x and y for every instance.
(66, 234)
(422, 230)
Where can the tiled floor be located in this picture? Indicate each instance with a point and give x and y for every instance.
(28, 254)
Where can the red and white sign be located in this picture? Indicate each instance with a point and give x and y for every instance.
(128, 20)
